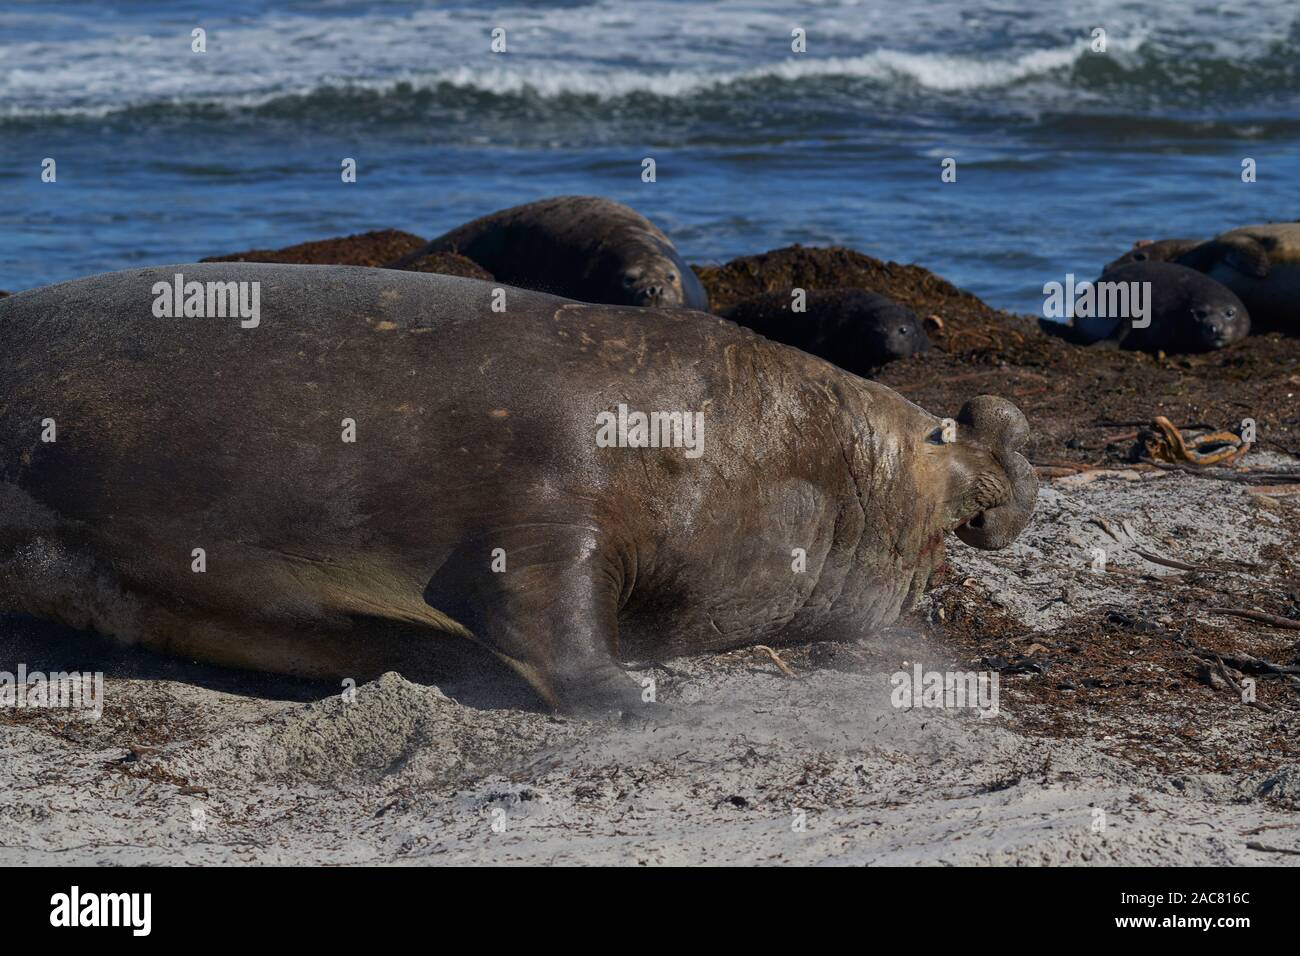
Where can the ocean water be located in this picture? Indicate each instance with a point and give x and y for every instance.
(1064, 156)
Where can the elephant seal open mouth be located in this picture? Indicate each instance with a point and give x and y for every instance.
(482, 496)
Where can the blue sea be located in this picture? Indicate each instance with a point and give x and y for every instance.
(1064, 155)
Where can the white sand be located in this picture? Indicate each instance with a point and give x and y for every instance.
(404, 774)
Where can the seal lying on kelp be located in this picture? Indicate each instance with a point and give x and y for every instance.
(578, 484)
(580, 247)
(855, 329)
(1261, 264)
(1185, 311)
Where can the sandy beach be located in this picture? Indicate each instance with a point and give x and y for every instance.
(1121, 735)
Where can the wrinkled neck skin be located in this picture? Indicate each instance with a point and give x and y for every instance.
(800, 457)
(913, 489)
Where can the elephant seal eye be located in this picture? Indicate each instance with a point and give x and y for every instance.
(945, 434)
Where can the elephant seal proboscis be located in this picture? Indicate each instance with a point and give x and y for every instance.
(478, 500)
(855, 329)
(1187, 312)
(1261, 264)
(580, 247)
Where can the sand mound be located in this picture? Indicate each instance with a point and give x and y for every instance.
(388, 727)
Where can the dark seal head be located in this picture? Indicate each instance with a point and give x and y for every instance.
(653, 277)
(1186, 311)
(580, 247)
(1159, 250)
(855, 329)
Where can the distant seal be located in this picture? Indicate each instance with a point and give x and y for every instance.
(857, 330)
(1159, 250)
(1261, 264)
(580, 247)
(1189, 312)
(501, 491)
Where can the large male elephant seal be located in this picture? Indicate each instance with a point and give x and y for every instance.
(857, 330)
(580, 247)
(1261, 264)
(502, 486)
(1186, 312)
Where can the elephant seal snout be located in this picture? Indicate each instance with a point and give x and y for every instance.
(1002, 487)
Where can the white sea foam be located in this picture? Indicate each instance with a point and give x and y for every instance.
(607, 49)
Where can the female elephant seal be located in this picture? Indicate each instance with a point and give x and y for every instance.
(857, 330)
(502, 487)
(580, 247)
(1261, 264)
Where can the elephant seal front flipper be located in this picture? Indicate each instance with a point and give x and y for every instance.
(550, 611)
